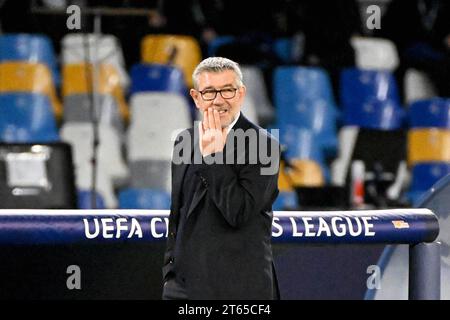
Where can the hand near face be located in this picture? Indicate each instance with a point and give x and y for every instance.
(212, 136)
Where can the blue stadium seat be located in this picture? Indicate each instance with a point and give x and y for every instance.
(27, 117)
(144, 199)
(34, 48)
(316, 116)
(370, 99)
(214, 45)
(283, 49)
(301, 84)
(425, 175)
(84, 200)
(303, 98)
(156, 77)
(378, 115)
(302, 144)
(286, 201)
(430, 113)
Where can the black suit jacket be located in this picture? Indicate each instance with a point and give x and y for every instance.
(225, 248)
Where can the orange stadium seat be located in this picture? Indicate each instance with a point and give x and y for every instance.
(31, 78)
(284, 182)
(182, 51)
(428, 145)
(306, 173)
(75, 82)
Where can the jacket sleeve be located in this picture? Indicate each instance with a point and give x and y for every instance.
(240, 194)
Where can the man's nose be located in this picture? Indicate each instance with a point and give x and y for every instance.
(218, 99)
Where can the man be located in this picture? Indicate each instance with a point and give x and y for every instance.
(221, 213)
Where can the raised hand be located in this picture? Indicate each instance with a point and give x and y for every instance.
(212, 136)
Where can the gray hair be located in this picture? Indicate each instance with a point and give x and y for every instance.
(217, 64)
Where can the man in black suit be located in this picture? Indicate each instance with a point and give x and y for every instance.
(224, 182)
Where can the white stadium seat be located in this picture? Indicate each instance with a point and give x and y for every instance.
(109, 153)
(107, 50)
(375, 53)
(156, 118)
(418, 86)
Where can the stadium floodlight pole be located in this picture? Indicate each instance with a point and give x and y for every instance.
(91, 74)
(95, 107)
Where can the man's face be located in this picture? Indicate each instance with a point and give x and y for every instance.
(227, 81)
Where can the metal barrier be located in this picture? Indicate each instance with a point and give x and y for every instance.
(416, 227)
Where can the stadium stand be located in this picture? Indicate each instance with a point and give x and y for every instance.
(104, 49)
(181, 51)
(29, 77)
(27, 117)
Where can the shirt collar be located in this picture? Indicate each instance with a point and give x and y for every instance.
(233, 123)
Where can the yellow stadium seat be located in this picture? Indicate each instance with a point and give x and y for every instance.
(284, 182)
(75, 82)
(29, 77)
(425, 145)
(306, 173)
(180, 51)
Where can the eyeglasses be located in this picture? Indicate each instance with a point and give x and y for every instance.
(211, 94)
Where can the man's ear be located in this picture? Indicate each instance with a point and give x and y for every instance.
(195, 96)
(243, 91)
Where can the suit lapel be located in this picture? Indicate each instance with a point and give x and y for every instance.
(200, 190)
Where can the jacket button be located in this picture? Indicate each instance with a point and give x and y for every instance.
(171, 260)
(172, 234)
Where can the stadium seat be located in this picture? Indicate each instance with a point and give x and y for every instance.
(105, 49)
(77, 109)
(425, 175)
(249, 110)
(29, 78)
(157, 77)
(109, 152)
(286, 200)
(31, 48)
(75, 81)
(347, 139)
(417, 86)
(433, 113)
(153, 174)
(302, 84)
(26, 117)
(316, 116)
(305, 173)
(84, 200)
(217, 42)
(375, 53)
(156, 118)
(383, 115)
(370, 99)
(383, 154)
(144, 199)
(181, 51)
(428, 145)
(284, 181)
(256, 89)
(283, 49)
(104, 184)
(300, 143)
